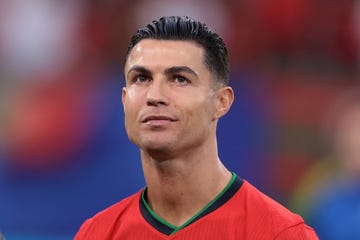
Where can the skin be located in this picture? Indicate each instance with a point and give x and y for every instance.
(172, 105)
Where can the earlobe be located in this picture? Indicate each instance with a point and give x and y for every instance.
(224, 100)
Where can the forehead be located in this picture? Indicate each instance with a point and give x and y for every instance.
(153, 52)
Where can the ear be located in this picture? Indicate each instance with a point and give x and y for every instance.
(123, 94)
(224, 99)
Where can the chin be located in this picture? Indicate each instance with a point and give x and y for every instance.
(156, 146)
(157, 141)
(157, 149)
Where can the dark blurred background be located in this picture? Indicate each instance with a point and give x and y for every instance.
(293, 131)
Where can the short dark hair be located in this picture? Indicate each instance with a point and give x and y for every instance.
(186, 28)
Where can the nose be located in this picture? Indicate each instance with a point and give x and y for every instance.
(156, 94)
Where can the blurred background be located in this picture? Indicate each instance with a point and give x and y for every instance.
(293, 131)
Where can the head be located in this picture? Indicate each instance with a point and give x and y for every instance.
(188, 29)
(176, 87)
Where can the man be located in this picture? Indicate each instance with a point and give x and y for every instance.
(176, 73)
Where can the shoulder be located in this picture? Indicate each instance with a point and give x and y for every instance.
(257, 201)
(107, 218)
(274, 218)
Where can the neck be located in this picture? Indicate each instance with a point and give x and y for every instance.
(180, 187)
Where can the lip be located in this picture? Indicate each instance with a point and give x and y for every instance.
(158, 119)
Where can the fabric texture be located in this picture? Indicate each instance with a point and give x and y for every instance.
(248, 214)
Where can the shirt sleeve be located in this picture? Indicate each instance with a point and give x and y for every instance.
(297, 232)
(82, 233)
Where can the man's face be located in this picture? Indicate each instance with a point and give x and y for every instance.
(169, 101)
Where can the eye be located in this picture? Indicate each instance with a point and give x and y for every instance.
(139, 79)
(181, 80)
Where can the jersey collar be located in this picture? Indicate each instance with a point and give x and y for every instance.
(166, 228)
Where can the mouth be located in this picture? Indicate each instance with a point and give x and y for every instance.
(158, 118)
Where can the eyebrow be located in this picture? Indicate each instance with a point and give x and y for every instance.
(177, 69)
(140, 69)
(168, 71)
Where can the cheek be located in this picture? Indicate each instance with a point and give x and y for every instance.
(202, 111)
(130, 112)
(130, 93)
(132, 100)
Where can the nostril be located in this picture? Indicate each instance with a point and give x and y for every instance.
(155, 102)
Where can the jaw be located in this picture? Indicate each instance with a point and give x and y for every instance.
(172, 146)
(159, 145)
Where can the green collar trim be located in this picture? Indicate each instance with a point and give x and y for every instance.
(175, 228)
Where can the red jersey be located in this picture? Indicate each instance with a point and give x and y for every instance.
(239, 212)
